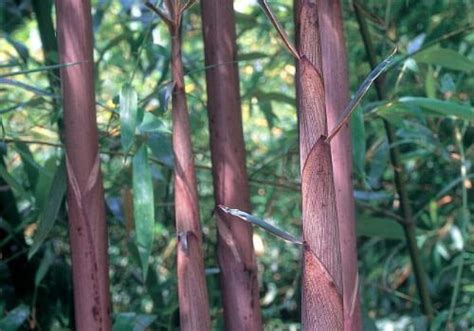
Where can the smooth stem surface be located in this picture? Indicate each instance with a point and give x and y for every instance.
(192, 290)
(85, 196)
(238, 276)
(400, 180)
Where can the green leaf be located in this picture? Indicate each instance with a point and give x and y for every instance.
(132, 321)
(160, 145)
(358, 141)
(267, 110)
(151, 123)
(143, 206)
(441, 107)
(275, 96)
(251, 56)
(447, 58)
(361, 91)
(430, 83)
(397, 112)
(15, 318)
(378, 227)
(12, 181)
(261, 223)
(46, 262)
(50, 211)
(128, 115)
(31, 167)
(43, 184)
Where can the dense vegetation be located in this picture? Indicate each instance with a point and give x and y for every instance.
(427, 98)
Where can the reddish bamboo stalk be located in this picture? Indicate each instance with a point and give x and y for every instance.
(192, 290)
(235, 249)
(85, 197)
(336, 94)
(322, 307)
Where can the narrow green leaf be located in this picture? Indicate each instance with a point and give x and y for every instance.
(358, 141)
(361, 91)
(128, 115)
(31, 167)
(143, 206)
(15, 318)
(12, 181)
(44, 266)
(51, 208)
(430, 83)
(261, 223)
(251, 56)
(267, 110)
(378, 227)
(441, 107)
(447, 58)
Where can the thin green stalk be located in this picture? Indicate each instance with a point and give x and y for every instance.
(400, 180)
(463, 224)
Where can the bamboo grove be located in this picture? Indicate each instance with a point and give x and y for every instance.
(207, 273)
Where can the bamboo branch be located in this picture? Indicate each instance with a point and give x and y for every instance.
(283, 35)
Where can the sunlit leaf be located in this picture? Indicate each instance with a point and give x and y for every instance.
(143, 206)
(128, 115)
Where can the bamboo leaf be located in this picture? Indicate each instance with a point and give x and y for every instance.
(378, 227)
(50, 211)
(261, 223)
(441, 107)
(143, 206)
(444, 57)
(46, 262)
(128, 115)
(31, 167)
(361, 91)
(15, 318)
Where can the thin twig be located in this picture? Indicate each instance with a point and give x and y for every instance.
(284, 36)
(361, 91)
(160, 13)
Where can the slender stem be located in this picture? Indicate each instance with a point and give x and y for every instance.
(400, 180)
(464, 221)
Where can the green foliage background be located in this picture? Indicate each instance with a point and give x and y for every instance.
(430, 97)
